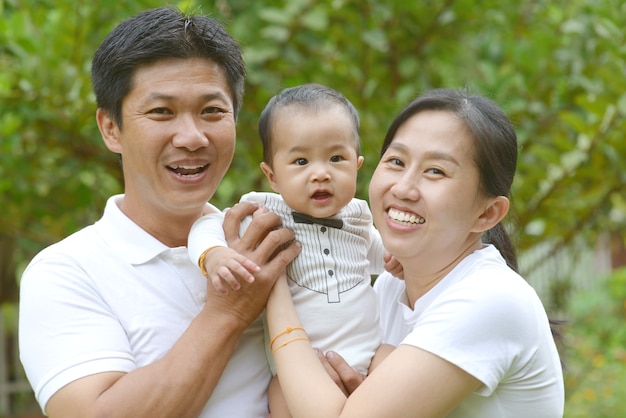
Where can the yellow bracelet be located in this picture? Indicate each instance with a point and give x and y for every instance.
(201, 261)
(286, 331)
(289, 342)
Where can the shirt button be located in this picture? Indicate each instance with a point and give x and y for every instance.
(326, 251)
(323, 229)
(202, 296)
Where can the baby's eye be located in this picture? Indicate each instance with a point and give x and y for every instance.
(301, 161)
(336, 158)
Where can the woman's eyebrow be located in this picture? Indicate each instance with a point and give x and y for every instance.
(438, 155)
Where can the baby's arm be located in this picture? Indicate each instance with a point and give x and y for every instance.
(380, 258)
(218, 263)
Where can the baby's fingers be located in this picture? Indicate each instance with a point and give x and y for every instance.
(244, 268)
(228, 276)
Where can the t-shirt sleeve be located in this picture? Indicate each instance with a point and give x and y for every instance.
(206, 232)
(480, 326)
(54, 291)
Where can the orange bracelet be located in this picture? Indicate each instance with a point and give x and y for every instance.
(289, 342)
(286, 331)
(201, 261)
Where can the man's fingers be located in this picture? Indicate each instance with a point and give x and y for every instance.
(234, 216)
(331, 371)
(350, 377)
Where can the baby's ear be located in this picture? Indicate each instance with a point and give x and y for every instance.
(269, 173)
(359, 161)
(494, 212)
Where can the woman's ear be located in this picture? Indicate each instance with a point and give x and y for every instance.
(269, 173)
(109, 130)
(494, 212)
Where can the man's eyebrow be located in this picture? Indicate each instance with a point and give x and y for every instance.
(205, 97)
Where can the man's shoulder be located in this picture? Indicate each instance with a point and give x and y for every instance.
(72, 247)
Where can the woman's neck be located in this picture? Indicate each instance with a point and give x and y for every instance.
(421, 276)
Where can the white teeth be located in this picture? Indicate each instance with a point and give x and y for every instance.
(405, 217)
(188, 167)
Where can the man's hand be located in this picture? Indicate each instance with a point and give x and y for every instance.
(346, 377)
(267, 244)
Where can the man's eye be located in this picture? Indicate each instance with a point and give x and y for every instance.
(212, 109)
(301, 161)
(160, 111)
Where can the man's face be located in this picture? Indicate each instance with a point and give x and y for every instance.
(177, 138)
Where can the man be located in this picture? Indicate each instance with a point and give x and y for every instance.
(115, 320)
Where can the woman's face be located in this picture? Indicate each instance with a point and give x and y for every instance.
(425, 195)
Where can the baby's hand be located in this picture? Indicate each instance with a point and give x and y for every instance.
(225, 268)
(393, 266)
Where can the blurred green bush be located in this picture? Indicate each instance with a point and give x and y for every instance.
(595, 352)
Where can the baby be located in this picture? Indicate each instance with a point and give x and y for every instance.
(311, 155)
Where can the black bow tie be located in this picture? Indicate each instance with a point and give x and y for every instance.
(301, 218)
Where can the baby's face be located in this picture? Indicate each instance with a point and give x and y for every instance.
(315, 160)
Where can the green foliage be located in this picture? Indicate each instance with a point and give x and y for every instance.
(596, 350)
(557, 67)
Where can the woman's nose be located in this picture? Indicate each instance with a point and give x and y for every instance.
(406, 187)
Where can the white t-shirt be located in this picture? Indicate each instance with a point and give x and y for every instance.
(113, 298)
(487, 320)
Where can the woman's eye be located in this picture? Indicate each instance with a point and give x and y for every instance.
(301, 161)
(436, 171)
(395, 161)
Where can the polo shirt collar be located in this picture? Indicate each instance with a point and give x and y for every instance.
(133, 244)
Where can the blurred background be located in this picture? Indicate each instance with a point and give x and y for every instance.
(558, 68)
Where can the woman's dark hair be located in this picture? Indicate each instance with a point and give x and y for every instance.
(311, 96)
(495, 148)
(158, 34)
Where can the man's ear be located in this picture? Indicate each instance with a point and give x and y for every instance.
(494, 212)
(269, 173)
(109, 130)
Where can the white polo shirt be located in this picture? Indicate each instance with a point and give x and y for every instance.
(113, 298)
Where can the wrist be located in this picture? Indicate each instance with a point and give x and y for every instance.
(202, 259)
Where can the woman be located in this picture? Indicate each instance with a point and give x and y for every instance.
(472, 337)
